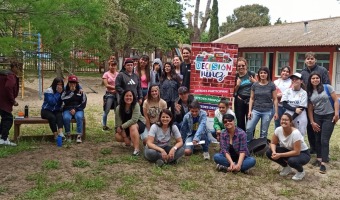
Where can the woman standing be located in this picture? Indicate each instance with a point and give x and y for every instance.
(156, 71)
(288, 148)
(129, 121)
(244, 79)
(322, 116)
(234, 155)
(177, 63)
(110, 97)
(282, 84)
(143, 71)
(262, 103)
(169, 84)
(295, 102)
(74, 105)
(158, 147)
(51, 108)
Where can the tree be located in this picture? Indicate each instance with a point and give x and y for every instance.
(278, 21)
(195, 31)
(246, 16)
(213, 31)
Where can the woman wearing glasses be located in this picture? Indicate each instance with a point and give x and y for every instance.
(234, 155)
(244, 79)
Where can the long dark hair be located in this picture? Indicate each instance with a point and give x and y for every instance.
(147, 68)
(310, 88)
(168, 112)
(122, 103)
(158, 72)
(55, 83)
(173, 73)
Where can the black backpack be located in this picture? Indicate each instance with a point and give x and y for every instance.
(259, 146)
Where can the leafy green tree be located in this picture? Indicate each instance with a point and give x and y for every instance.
(213, 31)
(278, 21)
(246, 16)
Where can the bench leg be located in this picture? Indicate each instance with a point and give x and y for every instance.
(16, 131)
(84, 129)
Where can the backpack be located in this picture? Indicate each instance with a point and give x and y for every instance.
(330, 97)
(259, 146)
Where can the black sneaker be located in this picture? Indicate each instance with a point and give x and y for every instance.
(159, 163)
(322, 169)
(316, 163)
(221, 168)
(106, 128)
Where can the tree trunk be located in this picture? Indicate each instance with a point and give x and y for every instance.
(197, 31)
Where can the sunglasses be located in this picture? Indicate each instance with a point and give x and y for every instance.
(241, 65)
(227, 120)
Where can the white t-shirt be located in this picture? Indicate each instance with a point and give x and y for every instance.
(296, 99)
(288, 142)
(162, 139)
(282, 85)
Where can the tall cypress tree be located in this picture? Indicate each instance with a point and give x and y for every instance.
(213, 31)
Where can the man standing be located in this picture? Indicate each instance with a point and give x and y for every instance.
(8, 92)
(185, 66)
(128, 80)
(311, 66)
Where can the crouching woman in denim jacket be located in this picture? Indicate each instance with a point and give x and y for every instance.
(158, 148)
(194, 126)
(234, 154)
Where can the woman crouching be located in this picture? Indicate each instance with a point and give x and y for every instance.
(288, 148)
(158, 147)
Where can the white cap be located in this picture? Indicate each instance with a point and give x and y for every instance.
(297, 75)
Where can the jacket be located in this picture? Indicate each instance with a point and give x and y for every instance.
(319, 69)
(74, 100)
(179, 117)
(136, 115)
(218, 124)
(188, 123)
(9, 90)
(52, 101)
(132, 82)
(154, 76)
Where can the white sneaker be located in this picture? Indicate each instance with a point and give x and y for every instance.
(7, 143)
(299, 176)
(285, 171)
(79, 139)
(206, 156)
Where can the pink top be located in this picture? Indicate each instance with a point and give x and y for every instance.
(111, 79)
(144, 81)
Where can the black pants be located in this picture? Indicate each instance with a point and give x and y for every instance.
(295, 162)
(241, 112)
(55, 119)
(6, 124)
(311, 137)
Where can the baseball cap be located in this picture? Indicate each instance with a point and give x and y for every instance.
(73, 78)
(182, 90)
(297, 75)
(128, 60)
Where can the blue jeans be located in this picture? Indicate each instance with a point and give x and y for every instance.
(295, 162)
(281, 110)
(247, 163)
(110, 101)
(265, 117)
(79, 115)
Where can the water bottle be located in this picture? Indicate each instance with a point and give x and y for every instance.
(26, 111)
(59, 141)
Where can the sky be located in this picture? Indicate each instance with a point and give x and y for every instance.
(287, 10)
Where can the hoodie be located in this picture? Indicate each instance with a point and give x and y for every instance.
(125, 81)
(154, 76)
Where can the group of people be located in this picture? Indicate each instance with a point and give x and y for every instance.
(153, 104)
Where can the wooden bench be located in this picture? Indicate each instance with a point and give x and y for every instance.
(38, 120)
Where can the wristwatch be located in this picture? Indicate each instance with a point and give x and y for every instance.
(175, 148)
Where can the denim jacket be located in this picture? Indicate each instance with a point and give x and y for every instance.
(188, 123)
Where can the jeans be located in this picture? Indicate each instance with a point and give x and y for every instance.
(323, 137)
(153, 155)
(247, 163)
(281, 111)
(79, 115)
(265, 117)
(295, 162)
(205, 146)
(109, 101)
(6, 124)
(241, 112)
(55, 119)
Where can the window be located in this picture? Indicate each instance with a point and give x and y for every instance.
(255, 61)
(322, 60)
(283, 60)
